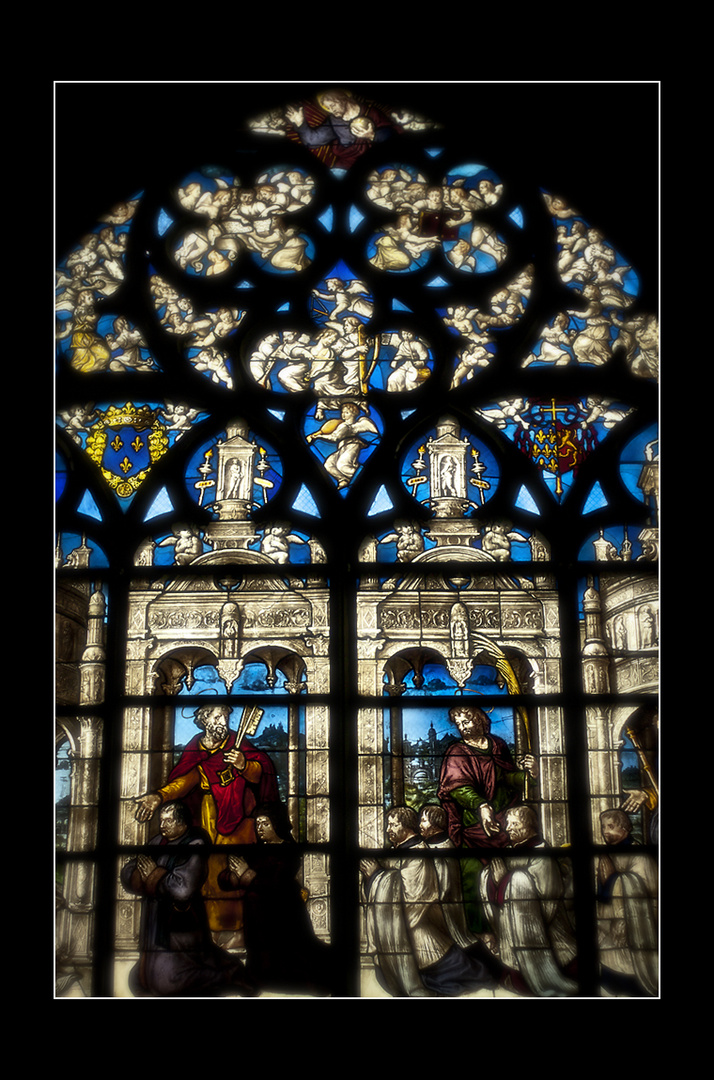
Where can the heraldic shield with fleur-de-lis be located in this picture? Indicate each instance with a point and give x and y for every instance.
(556, 438)
(125, 443)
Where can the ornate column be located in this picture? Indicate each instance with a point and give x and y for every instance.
(84, 793)
(596, 660)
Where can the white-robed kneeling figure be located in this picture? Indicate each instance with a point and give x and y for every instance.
(407, 932)
(523, 896)
(627, 911)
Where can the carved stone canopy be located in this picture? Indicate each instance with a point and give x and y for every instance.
(276, 658)
(398, 667)
(177, 668)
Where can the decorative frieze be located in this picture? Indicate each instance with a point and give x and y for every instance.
(281, 616)
(518, 617)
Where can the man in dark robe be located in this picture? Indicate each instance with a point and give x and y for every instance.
(283, 952)
(177, 954)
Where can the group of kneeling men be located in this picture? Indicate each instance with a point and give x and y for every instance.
(470, 898)
(428, 938)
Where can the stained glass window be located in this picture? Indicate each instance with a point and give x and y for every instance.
(357, 541)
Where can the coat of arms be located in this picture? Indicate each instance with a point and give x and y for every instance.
(125, 443)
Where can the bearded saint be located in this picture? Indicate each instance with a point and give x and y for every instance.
(221, 784)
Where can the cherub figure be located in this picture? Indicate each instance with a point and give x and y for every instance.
(353, 297)
(462, 318)
(497, 540)
(178, 417)
(348, 433)
(186, 542)
(213, 360)
(408, 538)
(506, 412)
(79, 419)
(475, 355)
(276, 542)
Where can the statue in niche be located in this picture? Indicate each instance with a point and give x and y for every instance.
(648, 627)
(447, 476)
(620, 633)
(233, 478)
(459, 632)
(230, 631)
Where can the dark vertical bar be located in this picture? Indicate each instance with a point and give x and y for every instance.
(110, 789)
(576, 755)
(294, 766)
(344, 870)
(396, 755)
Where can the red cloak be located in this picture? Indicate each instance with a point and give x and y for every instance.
(234, 796)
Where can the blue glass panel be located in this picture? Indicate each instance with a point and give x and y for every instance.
(595, 500)
(356, 217)
(305, 503)
(161, 505)
(381, 503)
(525, 501)
(60, 475)
(163, 222)
(88, 506)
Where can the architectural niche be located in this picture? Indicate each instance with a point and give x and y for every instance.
(459, 618)
(620, 650)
